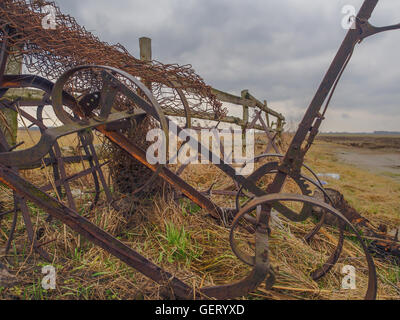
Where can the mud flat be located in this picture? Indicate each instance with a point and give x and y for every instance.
(379, 154)
(387, 164)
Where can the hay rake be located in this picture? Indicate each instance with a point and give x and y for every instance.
(112, 100)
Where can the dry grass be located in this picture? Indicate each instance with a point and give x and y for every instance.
(187, 242)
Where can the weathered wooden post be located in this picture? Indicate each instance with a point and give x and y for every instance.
(279, 127)
(145, 49)
(145, 53)
(266, 114)
(245, 94)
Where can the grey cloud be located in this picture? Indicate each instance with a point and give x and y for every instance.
(279, 49)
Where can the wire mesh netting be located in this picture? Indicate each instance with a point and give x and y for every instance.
(51, 52)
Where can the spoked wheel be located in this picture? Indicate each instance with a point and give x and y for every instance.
(263, 176)
(242, 238)
(107, 92)
(65, 184)
(56, 158)
(294, 211)
(52, 175)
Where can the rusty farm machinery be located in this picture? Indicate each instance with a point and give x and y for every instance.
(97, 88)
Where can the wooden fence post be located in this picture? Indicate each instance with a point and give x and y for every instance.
(266, 114)
(245, 107)
(145, 54)
(245, 94)
(145, 49)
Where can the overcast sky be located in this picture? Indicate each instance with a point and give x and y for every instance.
(278, 49)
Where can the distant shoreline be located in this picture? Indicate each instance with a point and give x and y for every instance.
(375, 133)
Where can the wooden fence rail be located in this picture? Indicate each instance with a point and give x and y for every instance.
(261, 120)
(263, 117)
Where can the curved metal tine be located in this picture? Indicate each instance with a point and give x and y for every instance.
(29, 229)
(63, 173)
(261, 272)
(319, 186)
(221, 146)
(13, 225)
(333, 259)
(107, 96)
(20, 204)
(186, 107)
(53, 159)
(97, 167)
(271, 137)
(93, 171)
(58, 165)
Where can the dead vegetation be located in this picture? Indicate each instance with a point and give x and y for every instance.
(186, 241)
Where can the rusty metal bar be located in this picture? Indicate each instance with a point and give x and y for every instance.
(91, 232)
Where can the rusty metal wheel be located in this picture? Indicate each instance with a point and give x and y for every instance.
(265, 172)
(252, 214)
(108, 90)
(296, 213)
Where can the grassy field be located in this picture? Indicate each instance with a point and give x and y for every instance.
(186, 241)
